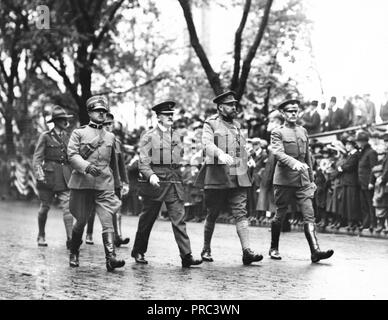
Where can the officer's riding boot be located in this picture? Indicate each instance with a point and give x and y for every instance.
(243, 233)
(42, 217)
(117, 227)
(76, 240)
(68, 221)
(208, 233)
(89, 229)
(110, 255)
(316, 253)
(275, 235)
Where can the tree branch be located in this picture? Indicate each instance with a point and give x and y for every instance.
(237, 44)
(212, 76)
(252, 50)
(104, 30)
(156, 79)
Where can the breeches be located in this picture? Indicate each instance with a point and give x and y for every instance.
(46, 198)
(303, 196)
(233, 200)
(85, 201)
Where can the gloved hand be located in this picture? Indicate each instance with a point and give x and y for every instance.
(251, 163)
(154, 180)
(225, 158)
(93, 170)
(124, 190)
(300, 166)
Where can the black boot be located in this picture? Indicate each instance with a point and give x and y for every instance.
(118, 235)
(76, 240)
(316, 253)
(249, 256)
(275, 235)
(188, 261)
(110, 255)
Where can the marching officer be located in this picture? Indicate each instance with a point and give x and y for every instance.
(52, 172)
(293, 179)
(159, 164)
(121, 188)
(91, 153)
(224, 175)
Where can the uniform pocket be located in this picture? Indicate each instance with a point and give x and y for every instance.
(290, 147)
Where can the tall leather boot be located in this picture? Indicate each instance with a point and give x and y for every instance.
(89, 229)
(316, 253)
(68, 221)
(275, 235)
(76, 240)
(42, 218)
(110, 255)
(207, 238)
(118, 234)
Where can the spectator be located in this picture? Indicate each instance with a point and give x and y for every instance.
(336, 119)
(349, 112)
(323, 114)
(361, 112)
(367, 160)
(380, 197)
(370, 109)
(350, 203)
(311, 119)
(384, 108)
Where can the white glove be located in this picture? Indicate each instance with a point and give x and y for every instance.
(251, 163)
(300, 166)
(154, 180)
(124, 189)
(225, 158)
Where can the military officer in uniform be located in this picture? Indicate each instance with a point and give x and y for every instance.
(159, 164)
(52, 172)
(293, 179)
(224, 175)
(92, 156)
(121, 188)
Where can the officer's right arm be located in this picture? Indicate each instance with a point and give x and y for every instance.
(145, 149)
(76, 161)
(211, 150)
(38, 157)
(278, 150)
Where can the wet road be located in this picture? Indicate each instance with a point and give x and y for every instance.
(358, 269)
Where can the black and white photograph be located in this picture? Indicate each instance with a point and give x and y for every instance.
(195, 156)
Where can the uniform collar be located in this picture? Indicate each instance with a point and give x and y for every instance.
(163, 128)
(95, 125)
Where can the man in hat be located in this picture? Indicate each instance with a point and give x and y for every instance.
(293, 179)
(224, 175)
(52, 172)
(336, 118)
(367, 160)
(91, 153)
(311, 119)
(159, 164)
(121, 188)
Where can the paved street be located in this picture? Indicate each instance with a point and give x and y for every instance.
(356, 271)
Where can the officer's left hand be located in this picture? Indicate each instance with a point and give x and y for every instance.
(313, 185)
(124, 189)
(251, 163)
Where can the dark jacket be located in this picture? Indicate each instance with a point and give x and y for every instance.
(336, 120)
(367, 160)
(312, 122)
(349, 175)
(160, 154)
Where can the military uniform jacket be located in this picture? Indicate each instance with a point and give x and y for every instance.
(50, 157)
(218, 137)
(161, 153)
(290, 144)
(103, 157)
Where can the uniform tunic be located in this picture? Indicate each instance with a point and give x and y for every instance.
(289, 145)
